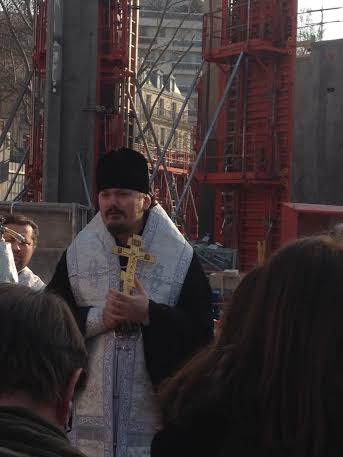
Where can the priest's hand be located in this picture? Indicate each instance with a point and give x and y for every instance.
(109, 316)
(122, 308)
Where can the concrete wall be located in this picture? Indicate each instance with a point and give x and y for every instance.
(70, 99)
(318, 154)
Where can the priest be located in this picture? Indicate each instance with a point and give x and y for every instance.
(135, 340)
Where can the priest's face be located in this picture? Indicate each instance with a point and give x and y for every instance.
(122, 210)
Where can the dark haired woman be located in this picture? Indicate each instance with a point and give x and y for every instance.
(235, 316)
(277, 390)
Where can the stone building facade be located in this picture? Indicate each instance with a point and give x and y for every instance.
(190, 33)
(164, 114)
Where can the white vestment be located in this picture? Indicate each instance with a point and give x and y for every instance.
(26, 277)
(118, 379)
(8, 271)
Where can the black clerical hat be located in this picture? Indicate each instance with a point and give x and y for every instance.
(123, 169)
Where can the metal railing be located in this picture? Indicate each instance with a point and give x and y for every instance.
(175, 158)
(167, 116)
(239, 21)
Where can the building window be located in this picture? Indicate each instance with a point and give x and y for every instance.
(148, 101)
(4, 169)
(161, 107)
(174, 110)
(185, 142)
(172, 85)
(175, 140)
(163, 136)
(158, 80)
(144, 31)
(149, 136)
(163, 32)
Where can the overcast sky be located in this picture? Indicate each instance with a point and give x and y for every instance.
(331, 31)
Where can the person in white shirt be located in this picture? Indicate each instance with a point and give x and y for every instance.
(22, 251)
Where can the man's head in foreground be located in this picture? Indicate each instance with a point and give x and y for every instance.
(22, 252)
(122, 178)
(42, 353)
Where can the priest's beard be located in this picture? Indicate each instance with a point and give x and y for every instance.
(118, 229)
(123, 229)
(125, 225)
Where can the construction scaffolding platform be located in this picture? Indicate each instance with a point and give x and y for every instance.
(252, 46)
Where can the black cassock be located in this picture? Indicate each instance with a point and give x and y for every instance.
(174, 334)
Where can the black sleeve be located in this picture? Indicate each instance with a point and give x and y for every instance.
(60, 285)
(173, 441)
(174, 334)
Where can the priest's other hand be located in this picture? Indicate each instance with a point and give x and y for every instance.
(121, 307)
(109, 317)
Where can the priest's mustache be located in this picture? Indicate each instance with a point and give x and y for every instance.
(114, 210)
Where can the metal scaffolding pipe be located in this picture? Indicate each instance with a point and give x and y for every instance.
(153, 133)
(209, 132)
(146, 114)
(145, 142)
(176, 123)
(140, 129)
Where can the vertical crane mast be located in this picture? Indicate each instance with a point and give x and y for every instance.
(248, 159)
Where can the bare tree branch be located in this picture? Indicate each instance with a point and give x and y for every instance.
(153, 41)
(29, 9)
(29, 26)
(147, 76)
(16, 45)
(307, 32)
(14, 35)
(164, 86)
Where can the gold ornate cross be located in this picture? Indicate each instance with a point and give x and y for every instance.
(134, 252)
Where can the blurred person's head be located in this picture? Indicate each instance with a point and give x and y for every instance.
(285, 371)
(42, 353)
(336, 232)
(22, 251)
(235, 315)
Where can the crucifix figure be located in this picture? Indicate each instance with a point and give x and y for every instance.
(135, 252)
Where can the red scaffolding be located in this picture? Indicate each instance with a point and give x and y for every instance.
(34, 161)
(178, 165)
(116, 65)
(248, 160)
(117, 60)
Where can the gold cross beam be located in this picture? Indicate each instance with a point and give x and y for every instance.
(135, 252)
